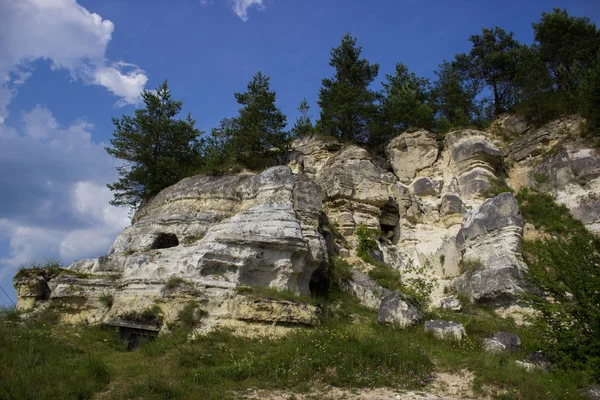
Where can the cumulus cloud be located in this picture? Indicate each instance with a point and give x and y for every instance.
(71, 38)
(54, 200)
(240, 7)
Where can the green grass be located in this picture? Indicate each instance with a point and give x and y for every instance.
(386, 277)
(48, 268)
(152, 316)
(174, 282)
(544, 213)
(107, 299)
(47, 362)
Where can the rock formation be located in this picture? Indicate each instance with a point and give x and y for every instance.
(205, 237)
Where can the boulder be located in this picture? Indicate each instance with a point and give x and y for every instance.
(490, 240)
(450, 304)
(445, 329)
(539, 359)
(365, 290)
(502, 341)
(412, 152)
(398, 312)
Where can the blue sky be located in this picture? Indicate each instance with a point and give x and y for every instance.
(68, 66)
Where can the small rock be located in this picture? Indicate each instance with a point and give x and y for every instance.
(539, 359)
(451, 304)
(395, 311)
(592, 392)
(445, 329)
(526, 366)
(502, 341)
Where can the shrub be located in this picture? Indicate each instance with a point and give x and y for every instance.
(339, 273)
(367, 242)
(191, 314)
(386, 277)
(151, 316)
(469, 267)
(174, 282)
(107, 299)
(567, 271)
(540, 210)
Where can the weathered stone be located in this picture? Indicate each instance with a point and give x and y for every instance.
(502, 341)
(445, 329)
(591, 392)
(451, 304)
(423, 186)
(355, 190)
(365, 290)
(490, 239)
(475, 160)
(272, 311)
(412, 152)
(539, 359)
(397, 312)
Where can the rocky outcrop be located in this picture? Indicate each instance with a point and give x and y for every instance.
(574, 178)
(396, 311)
(410, 153)
(272, 311)
(275, 228)
(476, 162)
(490, 240)
(365, 290)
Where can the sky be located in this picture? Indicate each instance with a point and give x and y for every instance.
(67, 67)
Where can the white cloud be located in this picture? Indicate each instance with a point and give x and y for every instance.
(240, 7)
(70, 37)
(55, 202)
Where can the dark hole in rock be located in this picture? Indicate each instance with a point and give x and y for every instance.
(165, 240)
(319, 283)
(389, 222)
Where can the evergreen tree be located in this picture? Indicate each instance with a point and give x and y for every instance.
(405, 104)
(454, 96)
(257, 133)
(493, 59)
(347, 104)
(569, 47)
(590, 98)
(157, 148)
(303, 125)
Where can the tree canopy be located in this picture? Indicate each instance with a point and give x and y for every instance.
(347, 104)
(157, 148)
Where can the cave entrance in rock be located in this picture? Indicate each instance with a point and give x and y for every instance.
(389, 221)
(164, 241)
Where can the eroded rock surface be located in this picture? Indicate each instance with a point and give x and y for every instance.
(490, 239)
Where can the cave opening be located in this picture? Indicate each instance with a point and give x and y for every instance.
(389, 221)
(164, 241)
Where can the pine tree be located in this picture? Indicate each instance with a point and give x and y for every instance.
(454, 95)
(347, 104)
(303, 125)
(257, 133)
(157, 148)
(493, 59)
(405, 103)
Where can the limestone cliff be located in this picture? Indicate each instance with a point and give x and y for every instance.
(204, 237)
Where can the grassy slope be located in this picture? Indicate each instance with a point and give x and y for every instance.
(46, 361)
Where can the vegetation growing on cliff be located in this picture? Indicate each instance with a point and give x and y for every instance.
(558, 74)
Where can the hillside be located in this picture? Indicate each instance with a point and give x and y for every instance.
(409, 268)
